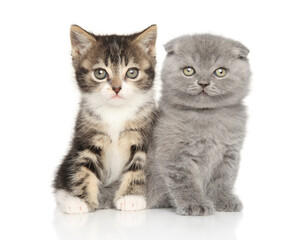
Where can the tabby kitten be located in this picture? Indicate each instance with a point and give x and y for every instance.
(104, 166)
(194, 156)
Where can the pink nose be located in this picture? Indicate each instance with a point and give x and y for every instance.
(116, 89)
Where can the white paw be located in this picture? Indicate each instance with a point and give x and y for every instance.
(70, 204)
(131, 203)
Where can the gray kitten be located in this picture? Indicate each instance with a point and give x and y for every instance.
(195, 153)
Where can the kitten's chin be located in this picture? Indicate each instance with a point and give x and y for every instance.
(204, 94)
(117, 101)
(207, 93)
(98, 101)
(201, 93)
(199, 100)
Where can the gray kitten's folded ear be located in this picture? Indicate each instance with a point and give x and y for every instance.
(81, 40)
(240, 51)
(170, 47)
(147, 40)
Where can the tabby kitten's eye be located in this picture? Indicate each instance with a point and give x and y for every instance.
(132, 73)
(189, 71)
(220, 72)
(100, 74)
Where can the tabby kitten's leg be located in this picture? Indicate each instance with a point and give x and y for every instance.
(77, 183)
(131, 193)
(222, 183)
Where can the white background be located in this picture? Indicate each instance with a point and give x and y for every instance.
(39, 101)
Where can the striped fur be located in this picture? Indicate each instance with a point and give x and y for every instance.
(108, 152)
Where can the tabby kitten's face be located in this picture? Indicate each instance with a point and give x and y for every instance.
(115, 68)
(205, 71)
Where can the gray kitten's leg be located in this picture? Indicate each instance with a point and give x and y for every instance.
(107, 194)
(220, 188)
(186, 189)
(157, 194)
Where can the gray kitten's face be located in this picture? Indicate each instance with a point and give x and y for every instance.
(205, 71)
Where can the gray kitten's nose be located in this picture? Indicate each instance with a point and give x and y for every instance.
(116, 89)
(203, 85)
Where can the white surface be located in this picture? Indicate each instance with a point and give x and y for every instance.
(38, 104)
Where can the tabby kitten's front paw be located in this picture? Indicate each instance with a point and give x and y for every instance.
(131, 203)
(197, 209)
(70, 204)
(229, 204)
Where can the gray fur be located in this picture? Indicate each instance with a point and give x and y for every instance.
(194, 157)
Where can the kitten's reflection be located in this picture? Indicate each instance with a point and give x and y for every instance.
(100, 224)
(150, 224)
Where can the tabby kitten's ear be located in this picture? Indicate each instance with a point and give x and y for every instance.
(81, 40)
(147, 39)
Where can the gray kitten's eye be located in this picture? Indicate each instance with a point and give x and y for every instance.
(220, 72)
(132, 73)
(189, 71)
(100, 73)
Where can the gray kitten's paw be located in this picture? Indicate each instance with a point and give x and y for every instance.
(229, 204)
(197, 209)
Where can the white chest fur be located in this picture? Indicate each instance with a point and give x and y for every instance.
(115, 118)
(114, 159)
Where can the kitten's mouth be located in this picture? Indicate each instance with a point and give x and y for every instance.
(203, 92)
(117, 97)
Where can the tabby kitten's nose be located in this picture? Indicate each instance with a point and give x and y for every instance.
(116, 89)
(203, 85)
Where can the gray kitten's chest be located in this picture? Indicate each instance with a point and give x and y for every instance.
(214, 127)
(210, 134)
(206, 139)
